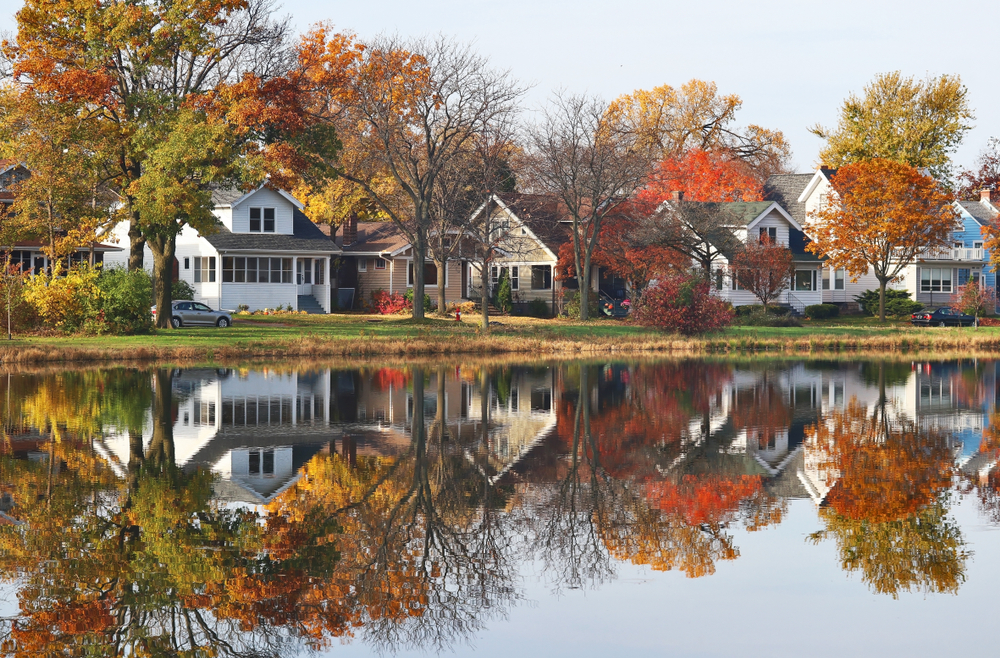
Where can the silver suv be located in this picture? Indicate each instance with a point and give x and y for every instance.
(188, 313)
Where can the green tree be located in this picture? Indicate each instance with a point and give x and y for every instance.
(915, 122)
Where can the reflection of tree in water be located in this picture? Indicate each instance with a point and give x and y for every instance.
(887, 511)
(616, 496)
(119, 567)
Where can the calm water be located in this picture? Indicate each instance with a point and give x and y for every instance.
(700, 508)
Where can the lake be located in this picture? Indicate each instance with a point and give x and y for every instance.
(595, 508)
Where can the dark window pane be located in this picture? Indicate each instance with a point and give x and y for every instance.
(254, 462)
(268, 462)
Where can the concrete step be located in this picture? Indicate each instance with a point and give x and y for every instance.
(309, 304)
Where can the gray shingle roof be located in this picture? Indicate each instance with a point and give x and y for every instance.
(306, 236)
(786, 189)
(377, 237)
(226, 196)
(981, 213)
(741, 211)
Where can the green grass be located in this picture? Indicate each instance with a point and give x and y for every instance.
(358, 335)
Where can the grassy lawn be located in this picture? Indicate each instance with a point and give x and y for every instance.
(369, 335)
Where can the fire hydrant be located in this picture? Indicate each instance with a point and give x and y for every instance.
(458, 315)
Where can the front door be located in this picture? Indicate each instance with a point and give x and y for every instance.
(304, 276)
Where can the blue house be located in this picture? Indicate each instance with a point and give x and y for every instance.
(974, 217)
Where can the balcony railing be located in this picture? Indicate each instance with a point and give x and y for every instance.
(959, 253)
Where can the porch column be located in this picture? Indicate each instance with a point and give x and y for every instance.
(295, 281)
(392, 269)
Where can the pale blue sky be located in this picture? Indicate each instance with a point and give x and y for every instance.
(791, 62)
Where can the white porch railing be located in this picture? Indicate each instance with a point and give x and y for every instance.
(957, 253)
(796, 303)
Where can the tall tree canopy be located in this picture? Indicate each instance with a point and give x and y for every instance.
(882, 215)
(152, 71)
(915, 122)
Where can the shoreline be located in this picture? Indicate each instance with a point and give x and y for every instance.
(461, 343)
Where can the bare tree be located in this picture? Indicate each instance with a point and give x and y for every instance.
(405, 111)
(704, 232)
(590, 161)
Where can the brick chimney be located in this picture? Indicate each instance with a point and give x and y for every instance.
(986, 195)
(351, 230)
(677, 195)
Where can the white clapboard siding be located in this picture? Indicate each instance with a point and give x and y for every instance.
(262, 198)
(259, 295)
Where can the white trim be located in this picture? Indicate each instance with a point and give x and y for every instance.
(531, 233)
(781, 211)
(814, 182)
(295, 202)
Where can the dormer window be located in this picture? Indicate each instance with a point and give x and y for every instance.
(768, 235)
(262, 220)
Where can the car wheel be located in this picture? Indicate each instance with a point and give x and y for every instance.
(175, 322)
(942, 324)
(222, 323)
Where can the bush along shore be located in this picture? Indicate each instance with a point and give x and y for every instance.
(357, 336)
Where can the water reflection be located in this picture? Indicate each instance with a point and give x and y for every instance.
(263, 511)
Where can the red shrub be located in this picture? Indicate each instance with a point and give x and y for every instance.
(683, 303)
(385, 304)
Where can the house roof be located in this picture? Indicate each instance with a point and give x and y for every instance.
(979, 211)
(377, 238)
(542, 215)
(306, 236)
(743, 212)
(232, 197)
(786, 190)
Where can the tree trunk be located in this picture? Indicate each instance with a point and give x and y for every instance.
(881, 300)
(163, 273)
(161, 445)
(419, 253)
(484, 276)
(136, 244)
(442, 309)
(583, 280)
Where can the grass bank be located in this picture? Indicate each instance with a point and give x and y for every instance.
(365, 337)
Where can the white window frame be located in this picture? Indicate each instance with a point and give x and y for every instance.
(380, 263)
(362, 264)
(204, 264)
(262, 219)
(839, 279)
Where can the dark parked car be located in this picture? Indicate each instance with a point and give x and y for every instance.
(188, 313)
(942, 317)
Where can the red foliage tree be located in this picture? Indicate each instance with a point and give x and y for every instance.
(702, 176)
(683, 303)
(764, 269)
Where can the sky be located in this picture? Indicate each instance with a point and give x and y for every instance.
(792, 63)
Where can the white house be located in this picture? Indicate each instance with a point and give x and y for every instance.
(759, 220)
(265, 253)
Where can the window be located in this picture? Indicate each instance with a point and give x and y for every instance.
(826, 279)
(256, 270)
(204, 269)
(977, 245)
(963, 276)
(305, 271)
(803, 279)
(380, 263)
(430, 275)
(21, 259)
(838, 279)
(261, 462)
(259, 214)
(541, 277)
(934, 279)
(769, 234)
(512, 272)
(320, 271)
(187, 263)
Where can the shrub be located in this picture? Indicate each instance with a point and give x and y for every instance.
(504, 298)
(572, 305)
(22, 314)
(428, 305)
(973, 299)
(538, 308)
(125, 300)
(683, 303)
(65, 302)
(868, 300)
(385, 304)
(465, 307)
(901, 308)
(181, 289)
(822, 311)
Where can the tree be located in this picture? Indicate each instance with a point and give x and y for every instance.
(590, 160)
(674, 122)
(764, 269)
(703, 232)
(402, 110)
(702, 176)
(913, 122)
(636, 263)
(972, 298)
(883, 215)
(152, 81)
(63, 201)
(987, 176)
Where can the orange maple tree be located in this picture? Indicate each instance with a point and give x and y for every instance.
(882, 216)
